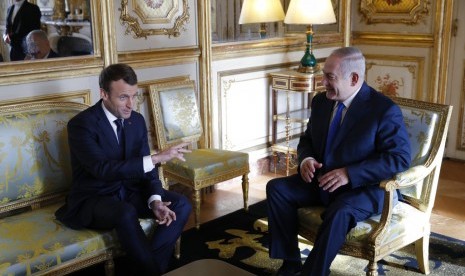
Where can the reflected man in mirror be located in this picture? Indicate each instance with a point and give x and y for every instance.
(38, 46)
(22, 18)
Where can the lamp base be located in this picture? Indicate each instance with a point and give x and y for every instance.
(308, 69)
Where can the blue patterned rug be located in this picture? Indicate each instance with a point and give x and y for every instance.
(240, 238)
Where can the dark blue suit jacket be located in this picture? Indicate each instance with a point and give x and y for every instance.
(27, 19)
(372, 142)
(99, 169)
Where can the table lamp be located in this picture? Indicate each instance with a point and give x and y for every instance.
(261, 11)
(309, 12)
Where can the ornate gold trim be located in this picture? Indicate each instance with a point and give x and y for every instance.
(132, 23)
(419, 75)
(392, 39)
(460, 122)
(82, 95)
(12, 73)
(405, 12)
(146, 19)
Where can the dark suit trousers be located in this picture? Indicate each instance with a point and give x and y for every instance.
(150, 256)
(285, 195)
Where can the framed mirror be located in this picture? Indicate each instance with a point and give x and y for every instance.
(74, 31)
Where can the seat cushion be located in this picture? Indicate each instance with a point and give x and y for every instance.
(34, 241)
(202, 164)
(404, 217)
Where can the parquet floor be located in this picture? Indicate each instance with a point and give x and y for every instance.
(448, 213)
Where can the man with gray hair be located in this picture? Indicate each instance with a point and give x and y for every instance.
(354, 139)
(38, 46)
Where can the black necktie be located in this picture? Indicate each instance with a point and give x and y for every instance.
(120, 131)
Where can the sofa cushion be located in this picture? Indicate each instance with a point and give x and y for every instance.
(35, 241)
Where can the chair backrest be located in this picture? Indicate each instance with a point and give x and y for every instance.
(427, 125)
(73, 46)
(176, 113)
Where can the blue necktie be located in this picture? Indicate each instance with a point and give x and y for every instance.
(120, 131)
(334, 127)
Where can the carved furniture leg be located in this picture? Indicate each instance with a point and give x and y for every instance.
(109, 267)
(197, 208)
(177, 249)
(421, 250)
(245, 191)
(372, 269)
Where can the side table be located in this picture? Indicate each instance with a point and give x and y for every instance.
(291, 82)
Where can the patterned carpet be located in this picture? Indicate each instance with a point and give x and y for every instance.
(240, 238)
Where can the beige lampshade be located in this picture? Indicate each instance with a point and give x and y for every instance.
(260, 11)
(310, 12)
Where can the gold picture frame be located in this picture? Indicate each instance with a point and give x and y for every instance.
(133, 26)
(408, 12)
(396, 76)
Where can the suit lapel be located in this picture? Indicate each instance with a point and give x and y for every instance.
(104, 125)
(353, 114)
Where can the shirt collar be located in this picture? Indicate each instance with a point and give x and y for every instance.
(348, 102)
(111, 118)
(19, 3)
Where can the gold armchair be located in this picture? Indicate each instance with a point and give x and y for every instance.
(177, 119)
(408, 221)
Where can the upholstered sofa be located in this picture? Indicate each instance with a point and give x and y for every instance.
(35, 176)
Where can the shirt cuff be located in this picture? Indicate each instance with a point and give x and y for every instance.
(153, 198)
(305, 159)
(148, 164)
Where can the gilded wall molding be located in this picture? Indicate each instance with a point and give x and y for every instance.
(61, 68)
(392, 39)
(155, 11)
(80, 96)
(132, 23)
(397, 76)
(461, 120)
(408, 12)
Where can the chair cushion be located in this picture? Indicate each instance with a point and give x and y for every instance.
(404, 217)
(34, 241)
(202, 164)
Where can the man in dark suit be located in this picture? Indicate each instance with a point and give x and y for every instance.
(370, 144)
(22, 17)
(38, 46)
(115, 179)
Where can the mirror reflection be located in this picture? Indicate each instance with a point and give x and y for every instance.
(41, 29)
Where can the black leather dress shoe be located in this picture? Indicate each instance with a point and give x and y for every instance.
(289, 268)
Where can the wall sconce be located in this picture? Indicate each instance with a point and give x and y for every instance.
(261, 11)
(309, 12)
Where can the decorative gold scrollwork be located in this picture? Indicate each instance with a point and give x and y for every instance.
(408, 12)
(132, 23)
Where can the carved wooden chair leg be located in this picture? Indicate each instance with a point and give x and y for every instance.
(177, 249)
(109, 267)
(245, 190)
(421, 250)
(372, 269)
(275, 161)
(197, 208)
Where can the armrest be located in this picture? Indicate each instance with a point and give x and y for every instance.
(406, 178)
(400, 180)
